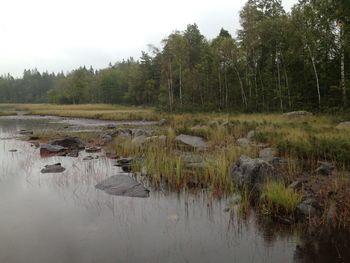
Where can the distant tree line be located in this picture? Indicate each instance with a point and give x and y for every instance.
(278, 62)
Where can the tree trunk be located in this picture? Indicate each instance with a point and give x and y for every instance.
(342, 65)
(286, 79)
(279, 80)
(316, 75)
(244, 98)
(180, 78)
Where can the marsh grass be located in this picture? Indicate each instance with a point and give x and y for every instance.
(278, 197)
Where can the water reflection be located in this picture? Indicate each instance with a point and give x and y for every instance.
(63, 218)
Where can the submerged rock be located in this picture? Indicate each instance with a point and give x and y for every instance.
(69, 142)
(49, 150)
(123, 185)
(93, 149)
(252, 173)
(89, 158)
(192, 141)
(26, 132)
(54, 168)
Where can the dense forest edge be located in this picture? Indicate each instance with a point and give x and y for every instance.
(278, 62)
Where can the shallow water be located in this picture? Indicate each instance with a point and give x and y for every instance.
(63, 218)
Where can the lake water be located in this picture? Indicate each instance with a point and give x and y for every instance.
(63, 218)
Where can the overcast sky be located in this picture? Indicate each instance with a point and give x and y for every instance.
(57, 35)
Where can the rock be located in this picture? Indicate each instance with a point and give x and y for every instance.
(93, 149)
(192, 141)
(250, 135)
(213, 124)
(344, 125)
(123, 161)
(107, 138)
(162, 122)
(123, 185)
(54, 168)
(69, 142)
(139, 140)
(13, 150)
(267, 154)
(332, 213)
(297, 114)
(243, 142)
(309, 208)
(325, 168)
(139, 132)
(36, 144)
(73, 153)
(296, 185)
(26, 132)
(125, 133)
(252, 173)
(49, 150)
(110, 126)
(88, 158)
(159, 139)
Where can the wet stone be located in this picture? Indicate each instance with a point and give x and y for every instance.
(54, 168)
(123, 185)
(48, 149)
(68, 142)
(93, 149)
(26, 132)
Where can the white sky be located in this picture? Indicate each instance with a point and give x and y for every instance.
(62, 35)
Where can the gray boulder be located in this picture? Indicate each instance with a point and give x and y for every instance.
(139, 140)
(243, 142)
(158, 139)
(309, 208)
(107, 138)
(252, 173)
(162, 122)
(325, 168)
(297, 114)
(250, 135)
(344, 125)
(192, 141)
(267, 154)
(48, 150)
(69, 142)
(53, 168)
(123, 185)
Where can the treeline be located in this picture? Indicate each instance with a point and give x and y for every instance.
(279, 61)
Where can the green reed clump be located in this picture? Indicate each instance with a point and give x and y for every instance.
(275, 194)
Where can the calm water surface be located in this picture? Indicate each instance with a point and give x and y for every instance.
(63, 218)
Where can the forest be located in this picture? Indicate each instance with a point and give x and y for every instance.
(278, 61)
